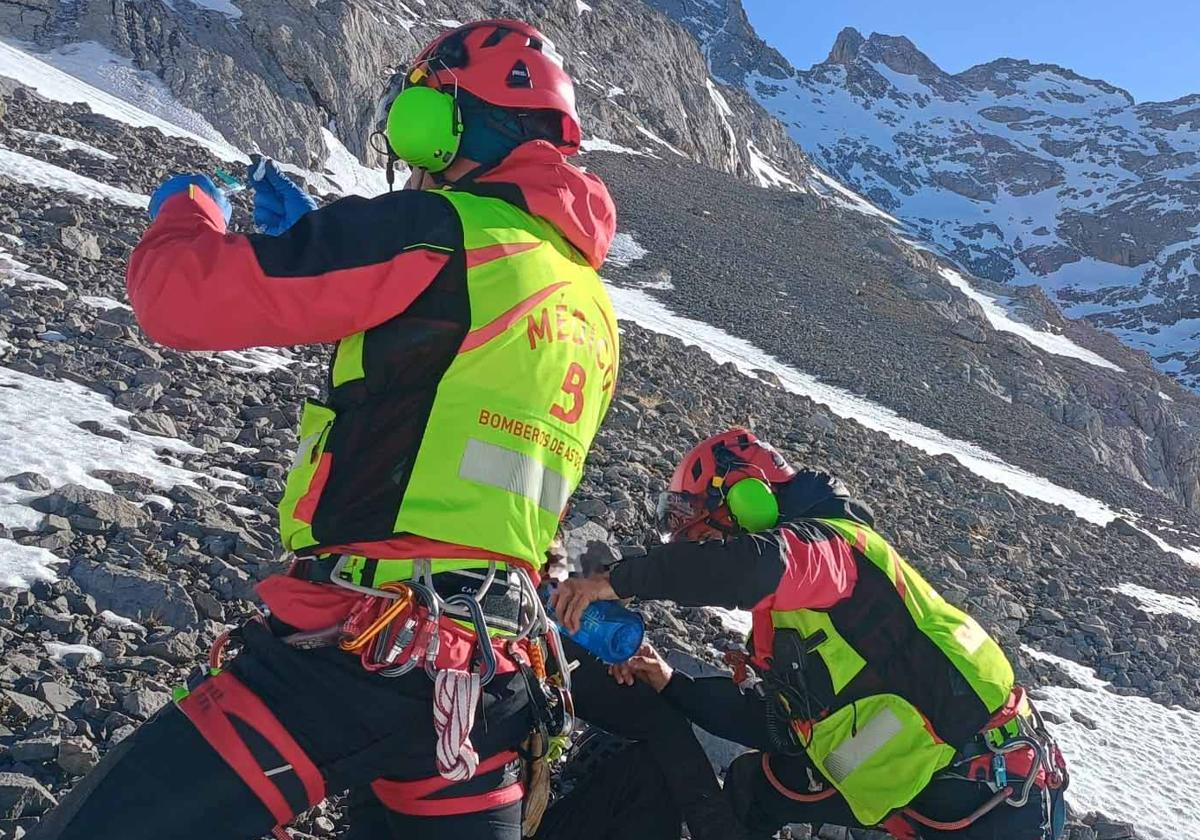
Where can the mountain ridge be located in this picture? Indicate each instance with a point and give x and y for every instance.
(1022, 172)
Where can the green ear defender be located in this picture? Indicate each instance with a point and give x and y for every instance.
(424, 127)
(753, 505)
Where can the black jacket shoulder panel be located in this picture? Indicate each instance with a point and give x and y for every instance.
(357, 232)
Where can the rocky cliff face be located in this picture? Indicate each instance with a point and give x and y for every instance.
(1023, 173)
(271, 74)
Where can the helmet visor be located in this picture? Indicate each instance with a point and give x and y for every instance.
(678, 511)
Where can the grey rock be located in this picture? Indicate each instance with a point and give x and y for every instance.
(29, 481)
(57, 696)
(22, 708)
(22, 796)
(77, 756)
(74, 499)
(81, 242)
(154, 423)
(143, 702)
(120, 734)
(36, 750)
(141, 595)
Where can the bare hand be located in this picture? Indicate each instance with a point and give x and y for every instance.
(573, 596)
(646, 665)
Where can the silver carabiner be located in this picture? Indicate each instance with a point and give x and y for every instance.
(482, 639)
(554, 642)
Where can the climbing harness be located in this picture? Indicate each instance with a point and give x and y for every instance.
(1014, 741)
(398, 628)
(1011, 755)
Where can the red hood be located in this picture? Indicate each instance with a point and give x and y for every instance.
(575, 202)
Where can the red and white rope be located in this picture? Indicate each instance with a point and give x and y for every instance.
(455, 698)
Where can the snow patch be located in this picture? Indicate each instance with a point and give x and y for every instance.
(643, 130)
(41, 434)
(349, 174)
(581, 7)
(65, 143)
(1000, 319)
(724, 112)
(735, 621)
(119, 621)
(47, 176)
(1166, 397)
(1133, 760)
(1160, 603)
(21, 565)
(98, 302)
(768, 176)
(225, 7)
(257, 359)
(637, 306)
(624, 251)
(56, 651)
(599, 144)
(1188, 555)
(110, 85)
(849, 199)
(13, 272)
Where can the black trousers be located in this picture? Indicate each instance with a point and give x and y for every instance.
(669, 746)
(626, 798)
(763, 810)
(165, 782)
(643, 793)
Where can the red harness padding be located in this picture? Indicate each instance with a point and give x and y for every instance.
(411, 798)
(899, 828)
(211, 708)
(785, 791)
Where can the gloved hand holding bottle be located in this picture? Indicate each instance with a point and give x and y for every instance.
(278, 201)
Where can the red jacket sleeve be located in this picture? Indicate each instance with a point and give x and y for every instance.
(339, 270)
(819, 570)
(796, 566)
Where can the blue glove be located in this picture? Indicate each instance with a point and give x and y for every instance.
(278, 201)
(180, 183)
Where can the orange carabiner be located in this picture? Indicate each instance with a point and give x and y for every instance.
(394, 609)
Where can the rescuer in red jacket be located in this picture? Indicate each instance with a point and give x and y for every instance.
(476, 356)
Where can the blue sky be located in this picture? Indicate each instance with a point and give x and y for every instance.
(1147, 47)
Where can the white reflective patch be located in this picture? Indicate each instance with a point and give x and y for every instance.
(970, 635)
(871, 738)
(304, 447)
(515, 472)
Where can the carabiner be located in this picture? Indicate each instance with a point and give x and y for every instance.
(482, 639)
(554, 642)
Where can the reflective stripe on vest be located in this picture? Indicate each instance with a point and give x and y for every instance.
(514, 472)
(879, 750)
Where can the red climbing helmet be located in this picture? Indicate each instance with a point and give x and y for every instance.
(505, 63)
(696, 506)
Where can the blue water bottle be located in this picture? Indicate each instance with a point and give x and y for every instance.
(607, 630)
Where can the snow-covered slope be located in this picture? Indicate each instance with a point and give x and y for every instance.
(1023, 173)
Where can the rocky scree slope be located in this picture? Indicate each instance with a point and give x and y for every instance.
(279, 77)
(839, 295)
(1024, 173)
(181, 562)
(270, 74)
